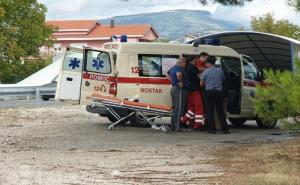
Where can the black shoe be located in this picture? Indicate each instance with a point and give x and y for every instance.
(212, 132)
(225, 132)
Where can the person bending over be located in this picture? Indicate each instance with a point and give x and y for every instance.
(194, 114)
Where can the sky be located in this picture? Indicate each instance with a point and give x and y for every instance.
(97, 9)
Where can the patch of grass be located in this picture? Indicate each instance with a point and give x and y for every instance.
(262, 164)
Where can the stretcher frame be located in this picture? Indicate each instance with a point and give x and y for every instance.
(110, 104)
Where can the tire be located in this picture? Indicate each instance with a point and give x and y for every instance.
(265, 125)
(112, 119)
(45, 98)
(138, 121)
(237, 122)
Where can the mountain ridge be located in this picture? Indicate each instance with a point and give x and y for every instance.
(174, 24)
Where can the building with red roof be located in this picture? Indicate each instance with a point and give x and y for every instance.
(94, 34)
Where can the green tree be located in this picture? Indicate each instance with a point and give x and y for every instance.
(295, 4)
(22, 29)
(268, 24)
(13, 72)
(280, 99)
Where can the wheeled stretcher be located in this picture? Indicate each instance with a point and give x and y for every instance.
(143, 109)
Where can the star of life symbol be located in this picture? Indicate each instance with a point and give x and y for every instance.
(98, 64)
(74, 63)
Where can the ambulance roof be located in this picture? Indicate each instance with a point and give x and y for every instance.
(169, 48)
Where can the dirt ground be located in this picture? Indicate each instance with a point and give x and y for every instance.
(66, 145)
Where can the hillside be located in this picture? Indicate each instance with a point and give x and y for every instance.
(174, 24)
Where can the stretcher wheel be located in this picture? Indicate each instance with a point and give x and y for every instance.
(165, 128)
(110, 128)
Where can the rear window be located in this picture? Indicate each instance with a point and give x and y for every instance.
(73, 61)
(98, 62)
(156, 65)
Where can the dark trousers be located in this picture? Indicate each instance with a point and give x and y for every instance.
(178, 103)
(214, 101)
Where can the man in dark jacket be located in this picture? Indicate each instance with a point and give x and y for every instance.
(194, 114)
(213, 79)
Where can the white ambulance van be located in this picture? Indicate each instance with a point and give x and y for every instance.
(137, 72)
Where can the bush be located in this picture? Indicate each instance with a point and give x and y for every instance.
(281, 99)
(13, 72)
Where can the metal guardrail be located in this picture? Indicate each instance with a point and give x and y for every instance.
(36, 92)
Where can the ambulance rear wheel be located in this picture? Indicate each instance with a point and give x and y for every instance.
(138, 121)
(112, 119)
(237, 122)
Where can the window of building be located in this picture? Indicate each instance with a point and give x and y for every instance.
(57, 47)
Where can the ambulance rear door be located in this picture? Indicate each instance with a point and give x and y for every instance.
(68, 86)
(98, 76)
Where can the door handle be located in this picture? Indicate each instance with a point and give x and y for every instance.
(69, 79)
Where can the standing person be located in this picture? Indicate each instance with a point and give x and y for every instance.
(194, 114)
(226, 84)
(213, 79)
(178, 91)
(200, 63)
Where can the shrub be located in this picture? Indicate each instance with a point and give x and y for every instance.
(281, 99)
(13, 72)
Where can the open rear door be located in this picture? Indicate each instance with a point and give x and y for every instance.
(98, 76)
(68, 86)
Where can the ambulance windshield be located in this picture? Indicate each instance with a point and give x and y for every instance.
(250, 70)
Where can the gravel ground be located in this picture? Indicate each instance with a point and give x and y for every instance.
(66, 145)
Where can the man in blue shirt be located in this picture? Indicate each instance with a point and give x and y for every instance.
(213, 79)
(178, 91)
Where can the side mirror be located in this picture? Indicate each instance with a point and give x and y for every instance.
(260, 77)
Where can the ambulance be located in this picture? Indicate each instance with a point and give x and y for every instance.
(137, 72)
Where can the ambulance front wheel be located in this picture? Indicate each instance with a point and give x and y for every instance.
(138, 121)
(265, 125)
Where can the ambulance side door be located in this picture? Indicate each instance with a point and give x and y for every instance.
(68, 86)
(97, 75)
(251, 77)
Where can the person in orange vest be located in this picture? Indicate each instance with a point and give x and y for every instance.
(194, 114)
(200, 63)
